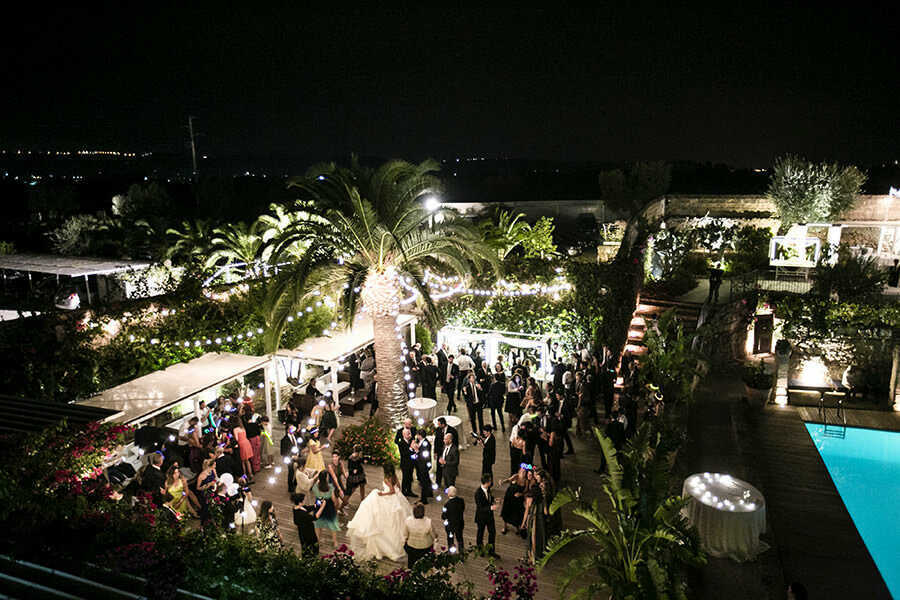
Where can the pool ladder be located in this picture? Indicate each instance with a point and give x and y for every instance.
(838, 428)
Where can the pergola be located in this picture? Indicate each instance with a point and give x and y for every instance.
(177, 389)
(67, 266)
(28, 415)
(330, 351)
(455, 336)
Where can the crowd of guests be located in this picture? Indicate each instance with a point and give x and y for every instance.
(223, 447)
(228, 444)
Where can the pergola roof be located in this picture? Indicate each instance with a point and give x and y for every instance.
(146, 396)
(36, 415)
(324, 350)
(72, 266)
(514, 338)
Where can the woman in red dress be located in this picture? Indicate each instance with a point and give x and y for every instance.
(246, 450)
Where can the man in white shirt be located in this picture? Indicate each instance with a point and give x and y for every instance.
(585, 354)
(466, 366)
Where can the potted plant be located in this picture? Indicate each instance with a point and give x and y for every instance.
(758, 382)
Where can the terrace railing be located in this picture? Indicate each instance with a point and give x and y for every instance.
(772, 280)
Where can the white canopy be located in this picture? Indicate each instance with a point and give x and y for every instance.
(73, 266)
(150, 395)
(324, 350)
(453, 335)
(331, 350)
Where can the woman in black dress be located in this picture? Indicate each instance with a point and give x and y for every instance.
(328, 424)
(356, 474)
(534, 522)
(513, 400)
(553, 521)
(513, 511)
(516, 452)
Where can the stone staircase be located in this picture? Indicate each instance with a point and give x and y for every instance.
(651, 309)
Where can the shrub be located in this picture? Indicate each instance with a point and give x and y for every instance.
(423, 336)
(756, 377)
(751, 250)
(376, 440)
(853, 277)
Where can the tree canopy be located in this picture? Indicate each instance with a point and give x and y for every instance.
(808, 192)
(627, 191)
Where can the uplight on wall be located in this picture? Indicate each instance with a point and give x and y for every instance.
(813, 372)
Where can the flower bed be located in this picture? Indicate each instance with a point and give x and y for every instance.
(376, 441)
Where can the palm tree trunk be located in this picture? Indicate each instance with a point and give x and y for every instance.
(390, 392)
(380, 297)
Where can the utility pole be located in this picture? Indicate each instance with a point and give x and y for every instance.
(193, 146)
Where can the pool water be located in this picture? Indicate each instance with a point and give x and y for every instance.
(865, 467)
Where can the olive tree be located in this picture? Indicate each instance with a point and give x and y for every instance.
(808, 192)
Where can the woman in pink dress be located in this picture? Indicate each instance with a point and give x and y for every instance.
(246, 450)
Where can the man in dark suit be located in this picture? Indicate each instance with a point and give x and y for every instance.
(423, 465)
(484, 513)
(489, 453)
(304, 519)
(442, 359)
(474, 396)
(428, 376)
(153, 480)
(454, 521)
(450, 460)
(438, 450)
(290, 447)
(353, 370)
(407, 426)
(372, 396)
(480, 368)
(407, 465)
(411, 368)
(543, 423)
(449, 375)
(615, 430)
(495, 395)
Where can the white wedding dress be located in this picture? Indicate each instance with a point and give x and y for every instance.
(376, 530)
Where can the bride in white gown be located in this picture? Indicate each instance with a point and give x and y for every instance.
(376, 530)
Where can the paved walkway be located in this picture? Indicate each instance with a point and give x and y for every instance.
(715, 445)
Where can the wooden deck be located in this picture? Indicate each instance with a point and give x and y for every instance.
(869, 419)
(577, 470)
(814, 536)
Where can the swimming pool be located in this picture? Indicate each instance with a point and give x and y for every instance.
(864, 465)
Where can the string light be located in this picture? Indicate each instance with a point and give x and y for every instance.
(441, 287)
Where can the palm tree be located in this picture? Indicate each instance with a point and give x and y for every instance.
(240, 243)
(504, 231)
(191, 242)
(369, 240)
(275, 226)
(642, 543)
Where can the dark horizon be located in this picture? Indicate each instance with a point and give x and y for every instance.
(728, 86)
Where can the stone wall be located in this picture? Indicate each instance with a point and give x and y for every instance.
(868, 208)
(718, 206)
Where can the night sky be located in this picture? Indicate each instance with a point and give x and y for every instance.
(739, 85)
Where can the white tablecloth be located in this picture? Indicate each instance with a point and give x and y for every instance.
(456, 423)
(422, 408)
(729, 515)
